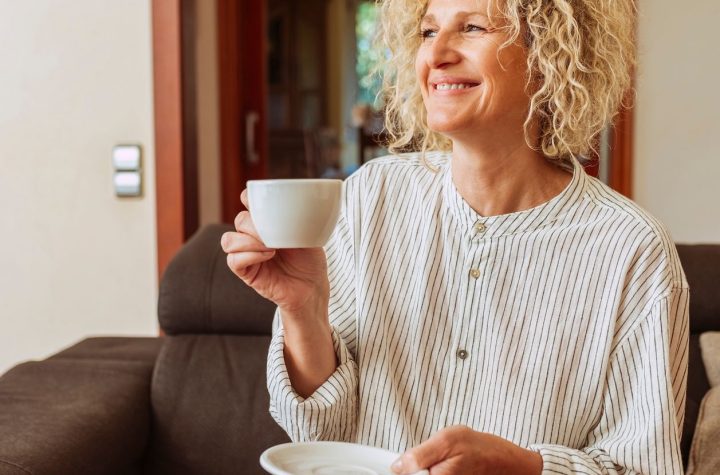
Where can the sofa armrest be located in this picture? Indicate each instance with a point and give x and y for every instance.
(199, 294)
(210, 406)
(85, 410)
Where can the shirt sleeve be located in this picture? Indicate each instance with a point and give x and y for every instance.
(330, 413)
(643, 401)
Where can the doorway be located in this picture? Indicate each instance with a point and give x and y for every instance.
(287, 84)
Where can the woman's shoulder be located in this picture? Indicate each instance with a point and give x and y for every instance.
(637, 227)
(620, 206)
(391, 170)
(402, 162)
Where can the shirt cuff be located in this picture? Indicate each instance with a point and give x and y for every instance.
(330, 412)
(561, 459)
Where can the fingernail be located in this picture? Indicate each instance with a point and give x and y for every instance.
(397, 466)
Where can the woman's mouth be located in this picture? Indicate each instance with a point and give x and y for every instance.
(453, 86)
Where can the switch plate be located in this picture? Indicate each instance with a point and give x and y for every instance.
(127, 157)
(127, 161)
(128, 184)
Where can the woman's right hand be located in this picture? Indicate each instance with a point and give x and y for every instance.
(297, 281)
(294, 279)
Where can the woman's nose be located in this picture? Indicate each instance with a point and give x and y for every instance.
(443, 50)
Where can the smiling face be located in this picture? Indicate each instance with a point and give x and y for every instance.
(470, 85)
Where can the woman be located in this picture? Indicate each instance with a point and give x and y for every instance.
(486, 307)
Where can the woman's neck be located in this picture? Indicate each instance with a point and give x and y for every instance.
(502, 181)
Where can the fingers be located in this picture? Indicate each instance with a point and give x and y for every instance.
(243, 264)
(242, 242)
(244, 224)
(433, 451)
(244, 198)
(243, 252)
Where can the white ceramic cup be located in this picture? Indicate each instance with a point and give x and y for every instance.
(294, 213)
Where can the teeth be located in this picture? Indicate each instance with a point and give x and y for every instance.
(448, 87)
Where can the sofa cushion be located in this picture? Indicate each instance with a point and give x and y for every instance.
(200, 294)
(710, 348)
(211, 406)
(705, 456)
(701, 264)
(697, 387)
(71, 416)
(116, 348)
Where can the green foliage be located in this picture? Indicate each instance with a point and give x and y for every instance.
(368, 56)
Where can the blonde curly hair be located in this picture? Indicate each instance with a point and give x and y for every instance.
(580, 54)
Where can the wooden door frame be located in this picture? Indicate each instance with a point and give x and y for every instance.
(621, 151)
(622, 140)
(167, 92)
(176, 188)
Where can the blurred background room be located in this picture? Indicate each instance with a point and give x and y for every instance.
(212, 93)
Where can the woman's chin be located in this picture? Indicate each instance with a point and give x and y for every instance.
(441, 126)
(448, 122)
(448, 129)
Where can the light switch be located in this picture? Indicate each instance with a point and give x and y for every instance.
(127, 161)
(126, 157)
(128, 184)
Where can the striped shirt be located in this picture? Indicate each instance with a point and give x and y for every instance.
(562, 328)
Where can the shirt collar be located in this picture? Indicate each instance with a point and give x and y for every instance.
(526, 220)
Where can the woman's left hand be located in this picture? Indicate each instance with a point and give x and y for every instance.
(459, 450)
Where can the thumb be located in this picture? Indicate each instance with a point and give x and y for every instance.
(420, 458)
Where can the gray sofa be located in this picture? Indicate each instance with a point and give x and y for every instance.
(195, 401)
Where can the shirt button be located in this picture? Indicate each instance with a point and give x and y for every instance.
(462, 354)
(474, 273)
(480, 227)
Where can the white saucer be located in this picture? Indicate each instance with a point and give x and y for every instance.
(328, 458)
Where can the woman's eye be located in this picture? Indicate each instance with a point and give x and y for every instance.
(475, 28)
(427, 33)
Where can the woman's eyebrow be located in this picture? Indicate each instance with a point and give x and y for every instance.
(430, 18)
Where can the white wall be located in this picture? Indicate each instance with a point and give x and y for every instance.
(677, 167)
(76, 79)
